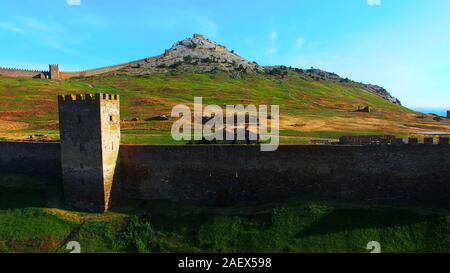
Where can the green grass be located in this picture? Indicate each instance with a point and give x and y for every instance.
(315, 226)
(34, 101)
(32, 224)
(288, 226)
(297, 226)
(148, 137)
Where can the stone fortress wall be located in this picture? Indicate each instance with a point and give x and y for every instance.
(13, 72)
(52, 73)
(243, 173)
(107, 69)
(94, 168)
(229, 173)
(31, 158)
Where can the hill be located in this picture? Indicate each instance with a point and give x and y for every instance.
(201, 55)
(313, 103)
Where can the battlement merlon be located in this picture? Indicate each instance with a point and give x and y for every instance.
(81, 98)
(6, 69)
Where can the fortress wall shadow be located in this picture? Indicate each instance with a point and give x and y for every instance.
(229, 174)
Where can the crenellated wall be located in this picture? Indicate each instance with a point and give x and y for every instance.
(12, 72)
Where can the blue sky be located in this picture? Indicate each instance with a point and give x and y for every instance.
(402, 45)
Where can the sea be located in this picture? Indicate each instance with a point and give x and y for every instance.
(441, 111)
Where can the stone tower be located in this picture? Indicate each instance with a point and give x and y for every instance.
(54, 72)
(90, 140)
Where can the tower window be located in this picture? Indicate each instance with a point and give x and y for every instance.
(110, 118)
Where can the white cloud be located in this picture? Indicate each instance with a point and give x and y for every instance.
(36, 25)
(31, 24)
(211, 26)
(273, 37)
(273, 49)
(55, 44)
(203, 24)
(299, 42)
(73, 2)
(49, 34)
(374, 2)
(10, 27)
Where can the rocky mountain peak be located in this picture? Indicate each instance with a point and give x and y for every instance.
(196, 54)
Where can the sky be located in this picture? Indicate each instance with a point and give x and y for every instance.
(401, 45)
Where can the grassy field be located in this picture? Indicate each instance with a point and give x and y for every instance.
(27, 224)
(31, 218)
(309, 108)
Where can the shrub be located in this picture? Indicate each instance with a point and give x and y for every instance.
(139, 235)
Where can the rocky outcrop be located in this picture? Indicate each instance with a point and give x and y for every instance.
(380, 91)
(375, 89)
(196, 54)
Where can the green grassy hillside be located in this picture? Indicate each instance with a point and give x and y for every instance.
(289, 226)
(310, 107)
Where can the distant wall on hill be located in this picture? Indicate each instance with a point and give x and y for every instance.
(97, 71)
(61, 75)
(11, 72)
(106, 69)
